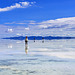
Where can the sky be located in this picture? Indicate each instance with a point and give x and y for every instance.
(37, 17)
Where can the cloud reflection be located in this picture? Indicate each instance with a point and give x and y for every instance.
(10, 46)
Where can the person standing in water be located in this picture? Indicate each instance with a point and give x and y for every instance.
(26, 40)
(26, 45)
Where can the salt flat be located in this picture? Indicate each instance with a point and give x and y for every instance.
(53, 57)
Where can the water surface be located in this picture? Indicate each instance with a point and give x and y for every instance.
(53, 57)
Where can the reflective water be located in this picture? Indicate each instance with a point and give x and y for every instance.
(51, 57)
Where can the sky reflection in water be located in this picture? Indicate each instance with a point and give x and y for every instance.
(55, 57)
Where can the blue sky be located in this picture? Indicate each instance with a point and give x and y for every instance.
(28, 17)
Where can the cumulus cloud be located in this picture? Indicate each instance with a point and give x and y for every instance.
(58, 23)
(17, 5)
(27, 28)
(10, 30)
(57, 27)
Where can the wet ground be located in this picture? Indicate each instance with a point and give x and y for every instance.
(52, 57)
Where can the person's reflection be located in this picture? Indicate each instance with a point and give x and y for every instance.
(26, 48)
(42, 40)
(34, 39)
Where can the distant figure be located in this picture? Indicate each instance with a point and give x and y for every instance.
(42, 40)
(34, 39)
(26, 45)
(26, 40)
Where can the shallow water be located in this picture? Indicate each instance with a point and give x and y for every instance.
(53, 57)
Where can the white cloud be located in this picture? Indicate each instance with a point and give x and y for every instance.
(18, 34)
(57, 27)
(25, 4)
(29, 22)
(27, 28)
(10, 30)
(17, 5)
(32, 22)
(15, 23)
(10, 23)
(20, 23)
(58, 23)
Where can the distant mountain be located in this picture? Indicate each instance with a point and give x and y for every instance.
(38, 37)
